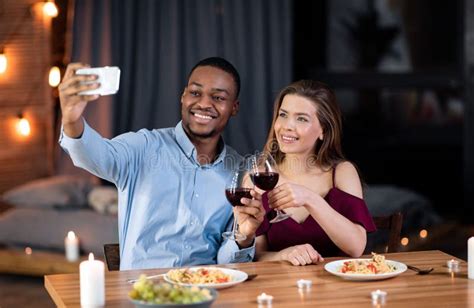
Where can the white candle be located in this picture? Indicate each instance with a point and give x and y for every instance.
(379, 297)
(304, 284)
(92, 282)
(453, 265)
(264, 299)
(71, 245)
(470, 258)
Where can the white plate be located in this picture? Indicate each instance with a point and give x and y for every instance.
(335, 266)
(237, 277)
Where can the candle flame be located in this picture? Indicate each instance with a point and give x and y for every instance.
(71, 235)
(91, 256)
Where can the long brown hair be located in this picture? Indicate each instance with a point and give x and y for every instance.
(328, 152)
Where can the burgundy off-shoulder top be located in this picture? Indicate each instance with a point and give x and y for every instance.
(289, 233)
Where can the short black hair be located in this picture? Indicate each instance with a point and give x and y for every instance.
(222, 64)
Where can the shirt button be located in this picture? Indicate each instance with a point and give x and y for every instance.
(191, 223)
(187, 246)
(197, 195)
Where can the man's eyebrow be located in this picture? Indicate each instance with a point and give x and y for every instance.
(196, 84)
(213, 89)
(220, 90)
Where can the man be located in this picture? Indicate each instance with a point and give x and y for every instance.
(172, 206)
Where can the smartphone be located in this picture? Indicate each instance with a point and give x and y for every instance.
(108, 77)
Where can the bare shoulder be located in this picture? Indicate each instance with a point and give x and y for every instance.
(347, 179)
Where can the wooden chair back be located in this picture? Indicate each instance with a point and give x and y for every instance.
(393, 224)
(112, 256)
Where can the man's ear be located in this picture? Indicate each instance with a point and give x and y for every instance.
(235, 108)
(184, 92)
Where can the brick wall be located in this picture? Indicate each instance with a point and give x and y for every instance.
(25, 34)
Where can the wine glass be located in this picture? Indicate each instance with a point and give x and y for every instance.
(265, 176)
(238, 186)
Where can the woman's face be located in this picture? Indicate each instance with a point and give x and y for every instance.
(297, 127)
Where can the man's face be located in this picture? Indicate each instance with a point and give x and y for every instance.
(208, 101)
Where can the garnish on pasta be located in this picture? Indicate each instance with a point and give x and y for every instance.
(376, 265)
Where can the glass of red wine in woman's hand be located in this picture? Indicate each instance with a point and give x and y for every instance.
(238, 186)
(265, 176)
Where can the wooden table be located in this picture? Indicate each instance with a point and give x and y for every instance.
(438, 289)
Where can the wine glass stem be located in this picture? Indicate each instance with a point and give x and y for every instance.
(235, 227)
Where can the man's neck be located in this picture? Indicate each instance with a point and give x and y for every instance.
(206, 149)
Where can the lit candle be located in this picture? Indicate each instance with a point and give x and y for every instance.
(453, 265)
(264, 299)
(71, 245)
(470, 258)
(379, 297)
(92, 282)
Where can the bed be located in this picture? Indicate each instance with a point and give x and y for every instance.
(40, 213)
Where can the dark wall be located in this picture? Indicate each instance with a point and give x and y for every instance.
(405, 131)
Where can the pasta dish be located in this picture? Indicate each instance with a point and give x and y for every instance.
(198, 276)
(376, 265)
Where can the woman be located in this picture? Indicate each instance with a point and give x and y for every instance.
(317, 186)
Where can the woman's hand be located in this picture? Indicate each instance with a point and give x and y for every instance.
(301, 255)
(289, 195)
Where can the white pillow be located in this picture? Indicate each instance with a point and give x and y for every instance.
(104, 199)
(63, 191)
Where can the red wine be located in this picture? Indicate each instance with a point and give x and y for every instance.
(265, 180)
(235, 194)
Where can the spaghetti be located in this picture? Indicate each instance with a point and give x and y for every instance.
(376, 265)
(198, 276)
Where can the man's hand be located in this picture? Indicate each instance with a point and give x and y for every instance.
(249, 217)
(301, 255)
(72, 104)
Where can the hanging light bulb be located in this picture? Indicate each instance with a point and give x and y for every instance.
(54, 76)
(3, 61)
(50, 9)
(23, 126)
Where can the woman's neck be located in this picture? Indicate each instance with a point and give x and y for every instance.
(297, 164)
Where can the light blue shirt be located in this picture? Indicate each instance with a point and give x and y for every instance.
(172, 210)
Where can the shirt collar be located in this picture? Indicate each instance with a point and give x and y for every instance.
(190, 150)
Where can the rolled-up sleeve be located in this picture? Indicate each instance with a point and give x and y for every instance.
(230, 252)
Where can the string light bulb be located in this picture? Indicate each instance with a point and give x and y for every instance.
(23, 126)
(54, 76)
(405, 241)
(50, 9)
(3, 61)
